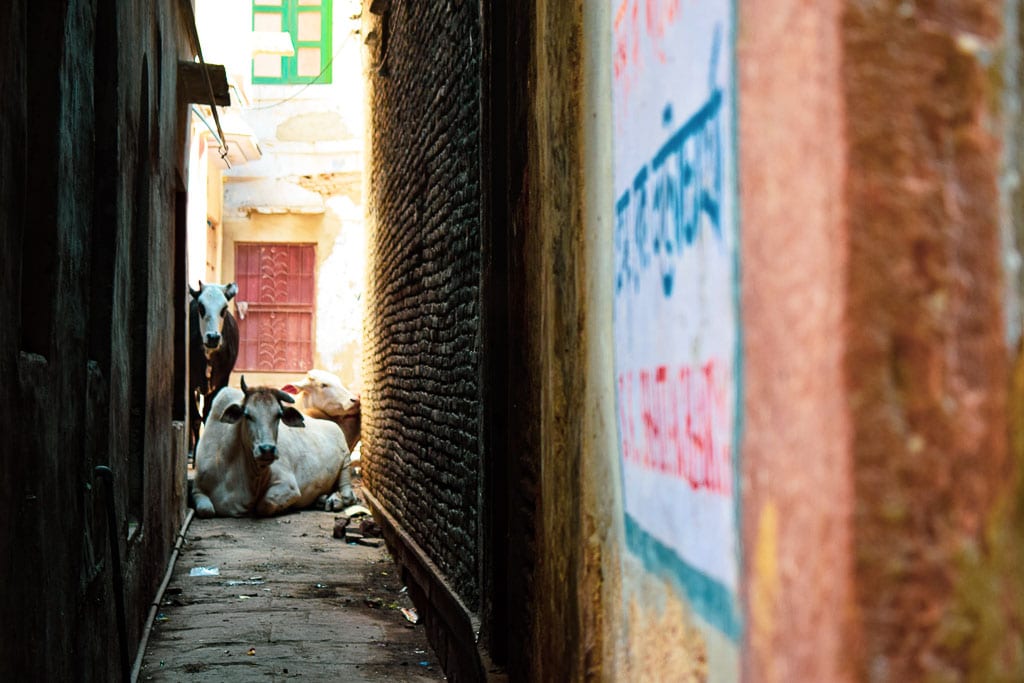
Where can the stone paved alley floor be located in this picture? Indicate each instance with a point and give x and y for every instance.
(289, 602)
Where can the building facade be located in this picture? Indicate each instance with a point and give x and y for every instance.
(285, 213)
(93, 140)
(691, 336)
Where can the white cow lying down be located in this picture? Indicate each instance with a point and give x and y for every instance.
(324, 396)
(247, 463)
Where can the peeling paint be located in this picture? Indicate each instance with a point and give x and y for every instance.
(665, 643)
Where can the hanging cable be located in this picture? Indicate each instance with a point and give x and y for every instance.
(213, 131)
(194, 35)
(312, 82)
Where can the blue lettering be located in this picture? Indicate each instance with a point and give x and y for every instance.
(684, 183)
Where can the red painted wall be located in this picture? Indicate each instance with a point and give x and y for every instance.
(879, 519)
(797, 493)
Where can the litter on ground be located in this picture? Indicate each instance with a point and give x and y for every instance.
(205, 571)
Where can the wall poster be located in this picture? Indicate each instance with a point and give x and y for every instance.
(676, 294)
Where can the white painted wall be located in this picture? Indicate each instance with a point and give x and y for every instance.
(198, 175)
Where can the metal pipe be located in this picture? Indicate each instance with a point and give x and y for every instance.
(194, 36)
(105, 473)
(213, 132)
(140, 655)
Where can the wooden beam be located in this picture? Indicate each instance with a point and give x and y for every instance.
(192, 85)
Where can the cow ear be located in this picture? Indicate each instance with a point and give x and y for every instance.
(232, 414)
(292, 417)
(193, 292)
(230, 289)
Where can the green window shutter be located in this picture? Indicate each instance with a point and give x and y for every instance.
(309, 24)
(269, 16)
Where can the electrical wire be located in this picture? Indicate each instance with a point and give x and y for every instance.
(312, 82)
(199, 114)
(209, 84)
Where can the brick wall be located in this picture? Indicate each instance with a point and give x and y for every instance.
(421, 433)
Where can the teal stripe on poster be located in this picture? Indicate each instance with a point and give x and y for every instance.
(710, 599)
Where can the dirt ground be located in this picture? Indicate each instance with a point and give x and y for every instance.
(288, 601)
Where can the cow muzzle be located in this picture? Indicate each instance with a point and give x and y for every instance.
(212, 341)
(265, 453)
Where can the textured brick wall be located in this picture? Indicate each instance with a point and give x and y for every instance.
(421, 426)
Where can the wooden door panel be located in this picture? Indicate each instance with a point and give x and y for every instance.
(277, 282)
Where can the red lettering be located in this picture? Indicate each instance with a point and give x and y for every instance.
(646, 416)
(687, 386)
(700, 431)
(663, 445)
(710, 475)
(674, 453)
(685, 422)
(624, 402)
(659, 18)
(636, 22)
(627, 409)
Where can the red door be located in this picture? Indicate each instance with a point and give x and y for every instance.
(276, 289)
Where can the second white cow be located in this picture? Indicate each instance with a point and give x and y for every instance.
(324, 396)
(260, 457)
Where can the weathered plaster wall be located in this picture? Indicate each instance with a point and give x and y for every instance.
(199, 211)
(600, 487)
(796, 459)
(340, 257)
(214, 234)
(881, 503)
(634, 625)
(927, 358)
(615, 620)
(1011, 186)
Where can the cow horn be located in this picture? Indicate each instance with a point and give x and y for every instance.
(284, 396)
(245, 389)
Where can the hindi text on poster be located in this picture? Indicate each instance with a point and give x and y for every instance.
(676, 316)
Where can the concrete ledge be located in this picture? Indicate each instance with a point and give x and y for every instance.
(451, 627)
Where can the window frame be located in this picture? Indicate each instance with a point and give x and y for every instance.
(289, 11)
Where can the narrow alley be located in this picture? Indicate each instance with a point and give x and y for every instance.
(280, 598)
(676, 340)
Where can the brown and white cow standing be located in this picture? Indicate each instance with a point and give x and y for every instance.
(257, 456)
(213, 347)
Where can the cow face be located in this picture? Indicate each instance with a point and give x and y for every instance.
(262, 412)
(326, 393)
(212, 304)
